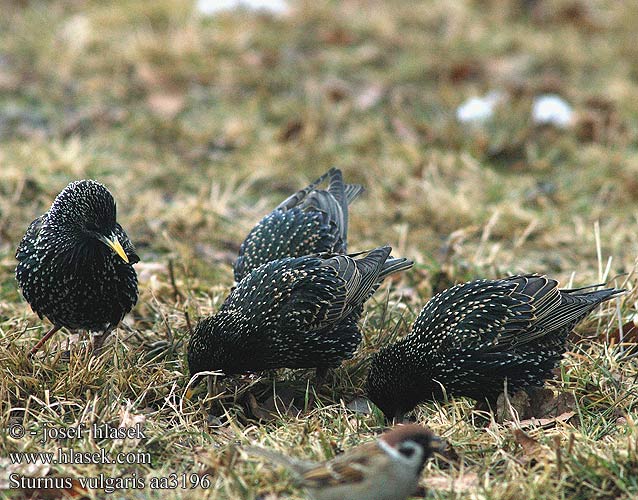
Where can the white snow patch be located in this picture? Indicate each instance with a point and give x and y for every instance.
(211, 7)
(551, 109)
(479, 109)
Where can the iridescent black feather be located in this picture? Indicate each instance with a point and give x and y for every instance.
(468, 339)
(69, 269)
(291, 313)
(310, 221)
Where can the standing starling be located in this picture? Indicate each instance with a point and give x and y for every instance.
(297, 312)
(310, 221)
(75, 263)
(469, 338)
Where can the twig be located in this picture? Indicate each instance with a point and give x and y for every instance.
(188, 322)
(177, 294)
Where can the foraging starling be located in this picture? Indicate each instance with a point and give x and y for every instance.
(291, 313)
(75, 263)
(469, 338)
(388, 468)
(310, 221)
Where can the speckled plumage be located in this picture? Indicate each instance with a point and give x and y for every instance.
(291, 313)
(68, 268)
(470, 338)
(310, 221)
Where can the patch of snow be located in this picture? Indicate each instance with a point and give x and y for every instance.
(211, 7)
(551, 109)
(479, 109)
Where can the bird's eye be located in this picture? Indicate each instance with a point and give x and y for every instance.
(407, 450)
(92, 226)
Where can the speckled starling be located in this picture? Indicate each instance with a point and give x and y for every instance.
(297, 312)
(310, 221)
(468, 339)
(75, 263)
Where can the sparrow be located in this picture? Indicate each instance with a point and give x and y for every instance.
(385, 469)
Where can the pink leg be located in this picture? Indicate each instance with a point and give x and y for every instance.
(46, 337)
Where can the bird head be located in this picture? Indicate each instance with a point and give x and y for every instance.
(393, 386)
(206, 349)
(84, 212)
(412, 444)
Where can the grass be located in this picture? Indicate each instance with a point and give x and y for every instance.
(199, 126)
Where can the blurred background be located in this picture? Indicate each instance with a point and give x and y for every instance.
(491, 135)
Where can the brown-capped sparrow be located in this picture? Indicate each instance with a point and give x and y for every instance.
(385, 469)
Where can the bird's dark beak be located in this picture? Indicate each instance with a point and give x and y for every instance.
(114, 245)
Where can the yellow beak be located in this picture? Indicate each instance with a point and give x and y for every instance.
(114, 244)
(189, 393)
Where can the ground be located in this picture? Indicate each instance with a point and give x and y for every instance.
(201, 124)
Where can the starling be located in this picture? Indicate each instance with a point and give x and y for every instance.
(295, 312)
(469, 338)
(310, 221)
(75, 263)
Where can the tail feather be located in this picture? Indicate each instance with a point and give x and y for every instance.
(337, 188)
(394, 265)
(352, 191)
(297, 467)
(296, 198)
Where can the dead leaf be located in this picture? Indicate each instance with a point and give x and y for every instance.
(466, 70)
(337, 36)
(369, 97)
(165, 104)
(536, 405)
(546, 422)
(514, 407)
(533, 451)
(546, 404)
(257, 411)
(629, 334)
(404, 131)
(336, 90)
(291, 130)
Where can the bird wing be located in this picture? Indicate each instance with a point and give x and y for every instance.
(360, 278)
(555, 310)
(25, 248)
(297, 198)
(349, 468)
(280, 234)
(311, 221)
(472, 314)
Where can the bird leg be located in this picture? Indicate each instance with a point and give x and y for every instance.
(211, 386)
(320, 376)
(46, 337)
(98, 342)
